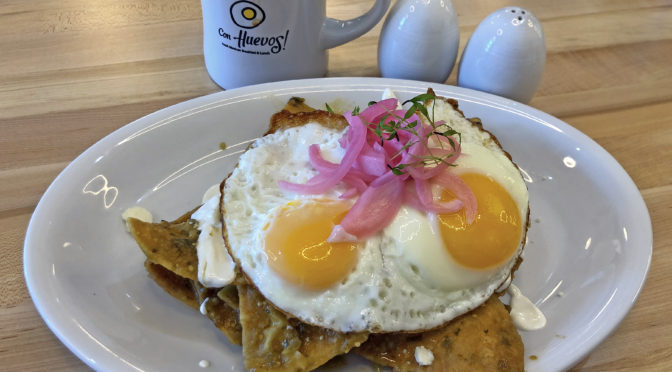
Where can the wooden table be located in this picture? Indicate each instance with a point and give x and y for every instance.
(72, 71)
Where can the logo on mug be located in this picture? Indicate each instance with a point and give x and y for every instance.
(246, 14)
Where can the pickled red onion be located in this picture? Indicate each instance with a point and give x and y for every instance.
(375, 208)
(366, 168)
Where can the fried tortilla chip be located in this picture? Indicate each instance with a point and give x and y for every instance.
(297, 104)
(177, 286)
(169, 244)
(171, 262)
(484, 339)
(221, 306)
(271, 342)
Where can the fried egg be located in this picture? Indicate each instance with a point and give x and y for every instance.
(420, 272)
(246, 14)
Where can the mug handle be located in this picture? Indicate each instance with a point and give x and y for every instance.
(336, 32)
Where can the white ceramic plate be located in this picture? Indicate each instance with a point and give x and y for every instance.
(587, 258)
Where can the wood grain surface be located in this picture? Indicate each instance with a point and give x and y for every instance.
(73, 71)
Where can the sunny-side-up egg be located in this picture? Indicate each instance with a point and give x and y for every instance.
(418, 273)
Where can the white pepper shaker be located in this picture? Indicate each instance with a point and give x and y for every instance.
(505, 55)
(419, 40)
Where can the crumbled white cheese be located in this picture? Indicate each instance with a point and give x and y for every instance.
(423, 356)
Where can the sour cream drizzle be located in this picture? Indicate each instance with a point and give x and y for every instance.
(526, 316)
(139, 213)
(215, 266)
(203, 310)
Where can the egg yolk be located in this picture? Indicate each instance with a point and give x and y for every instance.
(495, 233)
(249, 13)
(297, 247)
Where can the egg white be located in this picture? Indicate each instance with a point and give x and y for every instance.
(389, 289)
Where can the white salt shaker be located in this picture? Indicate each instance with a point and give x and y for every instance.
(505, 55)
(419, 40)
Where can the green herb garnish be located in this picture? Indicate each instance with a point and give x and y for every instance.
(389, 129)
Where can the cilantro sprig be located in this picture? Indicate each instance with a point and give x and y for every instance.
(391, 125)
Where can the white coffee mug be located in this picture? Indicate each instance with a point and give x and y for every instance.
(254, 41)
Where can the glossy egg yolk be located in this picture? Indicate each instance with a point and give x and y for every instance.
(297, 247)
(495, 233)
